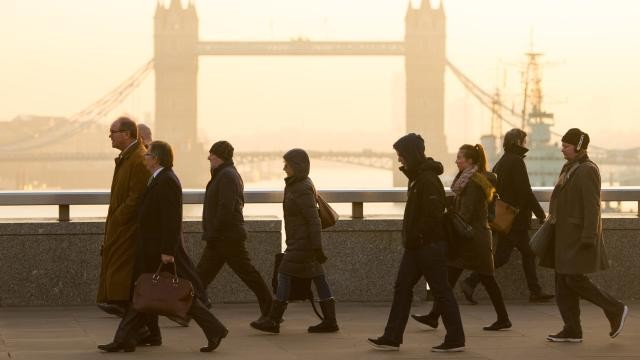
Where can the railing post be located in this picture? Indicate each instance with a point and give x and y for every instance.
(357, 210)
(63, 212)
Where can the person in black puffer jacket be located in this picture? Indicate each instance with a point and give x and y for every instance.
(303, 257)
(425, 254)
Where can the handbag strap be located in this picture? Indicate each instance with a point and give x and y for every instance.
(175, 278)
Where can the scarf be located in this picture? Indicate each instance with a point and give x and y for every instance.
(462, 179)
(567, 169)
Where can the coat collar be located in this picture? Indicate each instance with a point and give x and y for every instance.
(157, 178)
(517, 150)
(135, 146)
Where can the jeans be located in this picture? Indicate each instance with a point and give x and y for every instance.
(430, 261)
(570, 288)
(284, 287)
(504, 247)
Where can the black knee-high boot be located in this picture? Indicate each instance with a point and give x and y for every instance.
(329, 323)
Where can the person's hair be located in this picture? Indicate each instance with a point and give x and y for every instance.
(128, 125)
(144, 129)
(476, 154)
(513, 137)
(223, 150)
(163, 152)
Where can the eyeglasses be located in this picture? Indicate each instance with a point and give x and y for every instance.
(116, 131)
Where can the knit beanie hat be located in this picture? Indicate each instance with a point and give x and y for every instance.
(576, 137)
(223, 150)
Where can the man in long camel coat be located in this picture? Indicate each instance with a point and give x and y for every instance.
(129, 182)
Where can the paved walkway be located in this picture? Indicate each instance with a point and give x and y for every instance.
(73, 333)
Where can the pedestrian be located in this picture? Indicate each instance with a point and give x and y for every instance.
(474, 189)
(159, 241)
(514, 188)
(144, 133)
(118, 246)
(578, 244)
(425, 247)
(223, 226)
(303, 256)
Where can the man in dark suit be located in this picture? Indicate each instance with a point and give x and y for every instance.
(223, 227)
(160, 226)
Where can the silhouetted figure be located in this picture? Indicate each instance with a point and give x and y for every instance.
(578, 247)
(117, 251)
(223, 226)
(425, 249)
(160, 241)
(303, 257)
(144, 133)
(514, 188)
(474, 190)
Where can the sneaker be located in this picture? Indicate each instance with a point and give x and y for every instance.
(383, 344)
(565, 336)
(618, 322)
(444, 347)
(425, 321)
(540, 297)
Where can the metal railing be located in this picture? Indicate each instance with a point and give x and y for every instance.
(65, 198)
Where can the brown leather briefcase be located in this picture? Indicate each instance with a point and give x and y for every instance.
(163, 293)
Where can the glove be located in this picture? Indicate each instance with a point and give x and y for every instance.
(320, 256)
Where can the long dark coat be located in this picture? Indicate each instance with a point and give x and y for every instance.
(514, 187)
(472, 204)
(129, 181)
(301, 220)
(222, 217)
(579, 246)
(160, 231)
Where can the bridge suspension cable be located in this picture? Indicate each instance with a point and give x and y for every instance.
(85, 117)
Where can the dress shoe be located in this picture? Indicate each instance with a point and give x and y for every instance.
(214, 343)
(498, 325)
(540, 297)
(117, 347)
(184, 322)
(113, 309)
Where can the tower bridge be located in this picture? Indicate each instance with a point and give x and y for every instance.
(177, 48)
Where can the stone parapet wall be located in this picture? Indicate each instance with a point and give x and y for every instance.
(45, 263)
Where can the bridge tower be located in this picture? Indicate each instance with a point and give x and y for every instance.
(176, 72)
(425, 61)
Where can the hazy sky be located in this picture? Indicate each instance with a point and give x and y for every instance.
(56, 57)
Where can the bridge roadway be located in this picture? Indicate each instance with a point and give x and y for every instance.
(303, 47)
(371, 159)
(72, 333)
